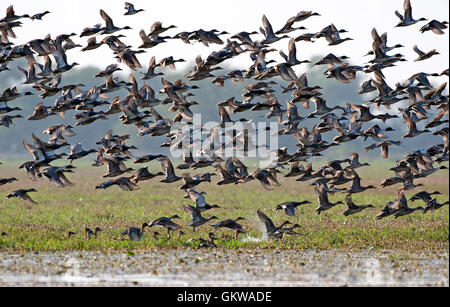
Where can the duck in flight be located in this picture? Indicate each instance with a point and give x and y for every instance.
(109, 24)
(406, 19)
(290, 207)
(267, 31)
(130, 10)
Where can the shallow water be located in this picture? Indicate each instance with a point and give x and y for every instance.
(221, 268)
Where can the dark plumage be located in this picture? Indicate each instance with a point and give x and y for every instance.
(289, 207)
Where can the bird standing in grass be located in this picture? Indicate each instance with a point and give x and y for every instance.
(90, 233)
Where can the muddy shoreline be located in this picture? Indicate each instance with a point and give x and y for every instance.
(221, 268)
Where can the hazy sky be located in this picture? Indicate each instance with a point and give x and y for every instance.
(356, 16)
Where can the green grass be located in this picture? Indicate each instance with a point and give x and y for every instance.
(44, 227)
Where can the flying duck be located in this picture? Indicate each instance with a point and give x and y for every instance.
(130, 10)
(352, 208)
(289, 207)
(406, 19)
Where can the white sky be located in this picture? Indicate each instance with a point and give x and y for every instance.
(356, 16)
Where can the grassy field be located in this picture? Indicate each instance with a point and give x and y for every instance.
(44, 227)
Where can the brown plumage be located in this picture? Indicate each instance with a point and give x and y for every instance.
(22, 194)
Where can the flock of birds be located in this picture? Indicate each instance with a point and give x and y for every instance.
(138, 108)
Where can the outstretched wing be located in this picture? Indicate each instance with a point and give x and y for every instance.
(266, 221)
(107, 19)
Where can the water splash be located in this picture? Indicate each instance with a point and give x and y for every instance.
(254, 239)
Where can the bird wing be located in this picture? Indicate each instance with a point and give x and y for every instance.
(224, 114)
(267, 27)
(411, 124)
(403, 203)
(270, 227)
(418, 51)
(64, 179)
(74, 149)
(408, 9)
(198, 198)
(167, 167)
(262, 178)
(129, 6)
(290, 210)
(60, 56)
(230, 167)
(125, 184)
(156, 26)
(349, 202)
(52, 175)
(34, 151)
(152, 62)
(107, 19)
(144, 37)
(10, 11)
(290, 22)
(426, 197)
(272, 180)
(292, 49)
(27, 198)
(322, 194)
